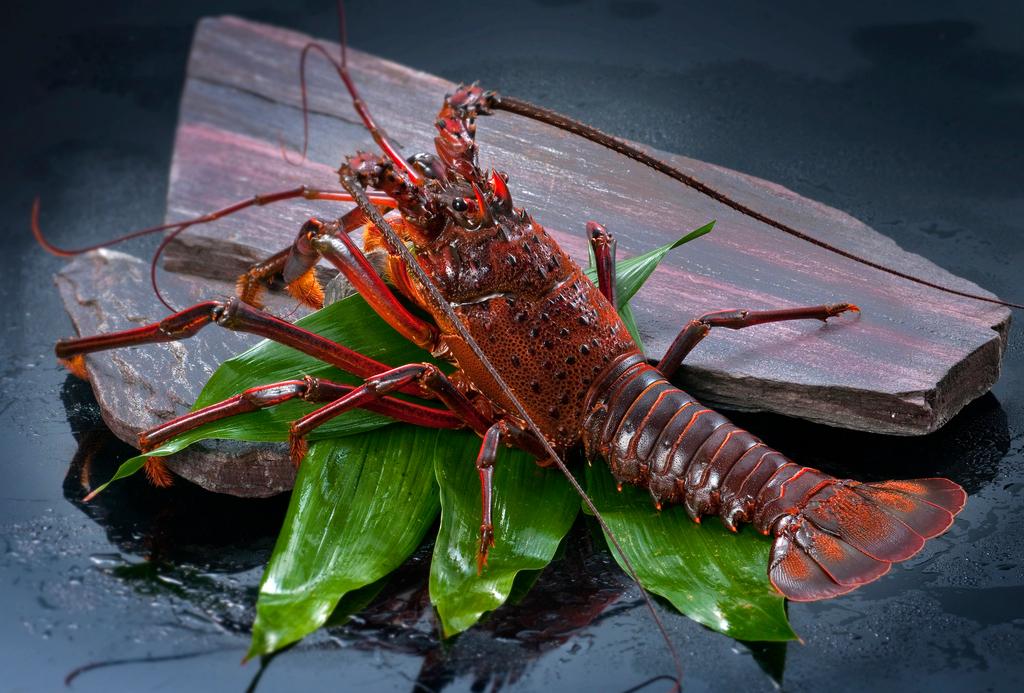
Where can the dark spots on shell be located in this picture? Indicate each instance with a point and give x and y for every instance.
(583, 320)
(606, 358)
(594, 342)
(564, 332)
(564, 399)
(531, 351)
(545, 317)
(515, 361)
(570, 360)
(511, 259)
(584, 349)
(547, 344)
(535, 386)
(554, 413)
(586, 381)
(561, 375)
(534, 331)
(522, 316)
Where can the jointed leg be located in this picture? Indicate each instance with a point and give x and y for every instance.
(603, 245)
(485, 468)
(309, 389)
(330, 240)
(234, 315)
(697, 329)
(423, 376)
(296, 264)
(500, 432)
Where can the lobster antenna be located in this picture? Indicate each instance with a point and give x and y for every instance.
(342, 34)
(439, 304)
(49, 247)
(563, 122)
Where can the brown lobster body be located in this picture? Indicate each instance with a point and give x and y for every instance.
(543, 324)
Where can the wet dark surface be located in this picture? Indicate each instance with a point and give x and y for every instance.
(908, 118)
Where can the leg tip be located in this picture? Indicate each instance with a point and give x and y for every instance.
(297, 449)
(158, 473)
(486, 544)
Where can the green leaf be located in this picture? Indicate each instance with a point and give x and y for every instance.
(630, 274)
(532, 510)
(361, 505)
(714, 576)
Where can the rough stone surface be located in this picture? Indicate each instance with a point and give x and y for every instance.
(908, 363)
(140, 387)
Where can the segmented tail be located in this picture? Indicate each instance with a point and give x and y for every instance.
(849, 534)
(831, 535)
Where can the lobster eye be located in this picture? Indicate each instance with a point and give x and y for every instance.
(459, 204)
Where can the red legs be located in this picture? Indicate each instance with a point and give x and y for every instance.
(234, 315)
(331, 241)
(250, 285)
(424, 378)
(603, 245)
(309, 389)
(300, 277)
(436, 383)
(697, 329)
(485, 468)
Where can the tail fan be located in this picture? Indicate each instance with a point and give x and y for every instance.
(850, 534)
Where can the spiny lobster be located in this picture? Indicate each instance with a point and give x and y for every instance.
(543, 360)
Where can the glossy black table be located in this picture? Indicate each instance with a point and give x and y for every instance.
(909, 119)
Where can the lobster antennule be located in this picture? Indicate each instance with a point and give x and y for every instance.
(850, 534)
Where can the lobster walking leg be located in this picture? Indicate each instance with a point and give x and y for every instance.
(296, 264)
(697, 329)
(233, 315)
(307, 388)
(485, 468)
(603, 245)
(330, 240)
(249, 286)
(422, 375)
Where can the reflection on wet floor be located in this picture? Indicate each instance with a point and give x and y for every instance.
(188, 543)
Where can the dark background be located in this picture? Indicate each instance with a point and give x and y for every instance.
(910, 118)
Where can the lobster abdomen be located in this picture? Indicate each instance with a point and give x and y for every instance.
(831, 535)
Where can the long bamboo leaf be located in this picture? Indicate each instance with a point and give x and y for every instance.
(361, 505)
(715, 577)
(533, 508)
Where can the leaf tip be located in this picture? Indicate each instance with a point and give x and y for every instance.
(95, 492)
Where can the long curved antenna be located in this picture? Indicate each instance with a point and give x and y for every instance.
(341, 67)
(255, 201)
(177, 227)
(563, 122)
(441, 306)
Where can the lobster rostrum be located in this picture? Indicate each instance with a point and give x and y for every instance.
(508, 307)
